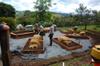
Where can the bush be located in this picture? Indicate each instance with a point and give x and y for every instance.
(25, 20)
(10, 21)
(47, 24)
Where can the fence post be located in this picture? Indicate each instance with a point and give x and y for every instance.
(4, 41)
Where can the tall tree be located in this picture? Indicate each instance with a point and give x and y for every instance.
(42, 13)
(83, 14)
(96, 16)
(6, 10)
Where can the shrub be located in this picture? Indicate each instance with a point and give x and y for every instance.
(10, 21)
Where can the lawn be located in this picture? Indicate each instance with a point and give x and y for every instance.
(90, 27)
(81, 61)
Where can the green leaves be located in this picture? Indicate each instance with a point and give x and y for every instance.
(9, 20)
(6, 10)
(42, 7)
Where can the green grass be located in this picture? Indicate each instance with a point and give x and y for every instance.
(90, 27)
(71, 62)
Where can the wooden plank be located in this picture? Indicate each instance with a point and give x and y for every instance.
(21, 34)
(71, 46)
(77, 37)
(5, 52)
(26, 49)
(66, 32)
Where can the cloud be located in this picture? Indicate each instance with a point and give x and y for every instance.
(0, 0)
(94, 2)
(65, 6)
(61, 7)
(21, 4)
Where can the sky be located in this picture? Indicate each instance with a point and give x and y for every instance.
(63, 6)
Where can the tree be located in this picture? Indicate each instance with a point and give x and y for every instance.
(42, 13)
(10, 21)
(25, 20)
(96, 16)
(83, 14)
(28, 13)
(7, 14)
(6, 10)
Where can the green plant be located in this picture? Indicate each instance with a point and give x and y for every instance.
(6, 10)
(10, 21)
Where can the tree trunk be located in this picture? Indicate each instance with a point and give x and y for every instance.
(4, 41)
(85, 27)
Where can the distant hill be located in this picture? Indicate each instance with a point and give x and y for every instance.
(21, 13)
(63, 14)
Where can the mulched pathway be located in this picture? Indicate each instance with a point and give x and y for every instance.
(18, 61)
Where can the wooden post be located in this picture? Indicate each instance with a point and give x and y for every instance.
(4, 41)
(63, 64)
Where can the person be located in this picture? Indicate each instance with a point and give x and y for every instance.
(41, 31)
(75, 28)
(55, 27)
(36, 28)
(51, 33)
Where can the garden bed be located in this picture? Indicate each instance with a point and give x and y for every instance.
(71, 46)
(76, 36)
(21, 34)
(94, 35)
(66, 32)
(46, 30)
(27, 50)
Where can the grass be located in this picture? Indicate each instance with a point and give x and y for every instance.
(81, 61)
(90, 27)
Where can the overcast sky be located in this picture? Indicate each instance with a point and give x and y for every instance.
(64, 6)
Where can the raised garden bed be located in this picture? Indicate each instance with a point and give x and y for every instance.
(46, 30)
(21, 34)
(76, 36)
(26, 49)
(71, 46)
(93, 34)
(97, 32)
(66, 32)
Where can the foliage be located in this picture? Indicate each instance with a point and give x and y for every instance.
(28, 13)
(96, 16)
(42, 7)
(6, 10)
(25, 20)
(9, 20)
(83, 14)
(7, 14)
